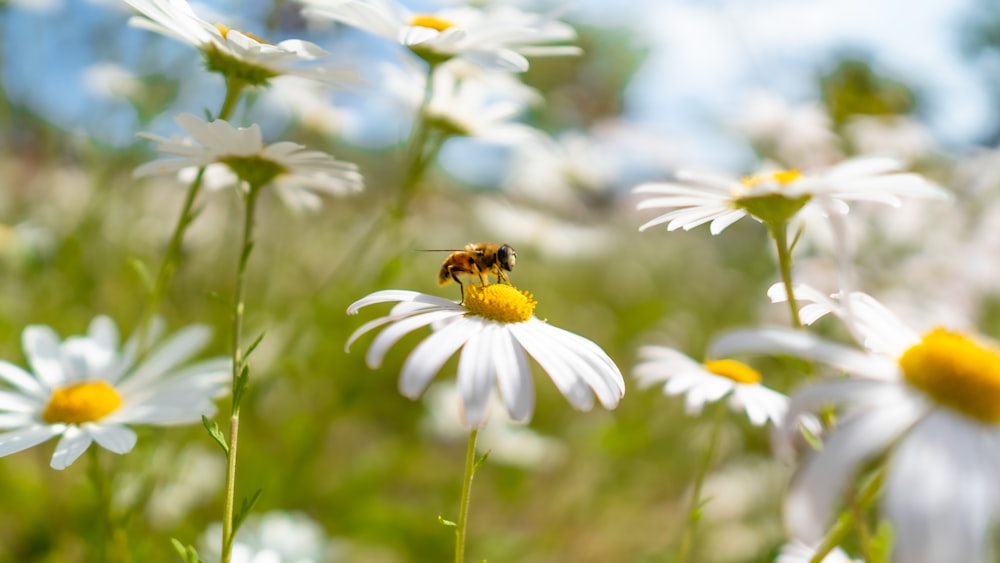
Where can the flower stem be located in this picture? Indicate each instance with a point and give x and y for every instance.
(240, 373)
(780, 235)
(111, 534)
(848, 519)
(694, 514)
(463, 513)
(170, 259)
(417, 155)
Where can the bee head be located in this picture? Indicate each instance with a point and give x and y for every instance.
(506, 257)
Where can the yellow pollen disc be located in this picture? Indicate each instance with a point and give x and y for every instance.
(82, 402)
(956, 372)
(782, 177)
(224, 31)
(431, 22)
(499, 302)
(731, 369)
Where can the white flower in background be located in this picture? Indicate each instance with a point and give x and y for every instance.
(235, 54)
(469, 108)
(506, 441)
(697, 198)
(87, 389)
(274, 537)
(799, 552)
(899, 136)
(929, 406)
(552, 237)
(710, 381)
(796, 135)
(296, 174)
(498, 36)
(111, 81)
(494, 326)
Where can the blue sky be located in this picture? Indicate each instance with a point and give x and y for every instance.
(705, 59)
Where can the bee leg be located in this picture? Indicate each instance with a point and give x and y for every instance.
(461, 289)
(502, 277)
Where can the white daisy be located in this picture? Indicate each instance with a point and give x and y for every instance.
(274, 537)
(707, 382)
(928, 405)
(697, 198)
(469, 108)
(88, 388)
(498, 36)
(495, 326)
(296, 174)
(233, 53)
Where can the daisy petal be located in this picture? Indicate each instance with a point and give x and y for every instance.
(18, 440)
(112, 437)
(72, 444)
(428, 357)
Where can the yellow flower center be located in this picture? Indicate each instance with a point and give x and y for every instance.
(731, 369)
(956, 372)
(499, 302)
(225, 29)
(82, 402)
(431, 22)
(782, 177)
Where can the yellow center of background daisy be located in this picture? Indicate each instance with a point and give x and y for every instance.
(431, 22)
(224, 31)
(782, 177)
(731, 369)
(82, 402)
(499, 302)
(956, 372)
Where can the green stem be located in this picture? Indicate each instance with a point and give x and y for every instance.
(780, 235)
(860, 503)
(239, 366)
(694, 514)
(463, 513)
(417, 155)
(170, 259)
(112, 536)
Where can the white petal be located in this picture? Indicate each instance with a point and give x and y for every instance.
(70, 447)
(803, 345)
(16, 402)
(401, 295)
(476, 375)
(179, 348)
(18, 440)
(514, 377)
(112, 437)
(817, 490)
(22, 380)
(556, 365)
(41, 346)
(428, 357)
(394, 332)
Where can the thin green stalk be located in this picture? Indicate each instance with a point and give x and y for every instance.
(112, 538)
(860, 503)
(170, 259)
(780, 235)
(417, 155)
(694, 514)
(239, 367)
(463, 513)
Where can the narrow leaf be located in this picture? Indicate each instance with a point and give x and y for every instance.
(246, 506)
(253, 346)
(144, 275)
(216, 433)
(448, 523)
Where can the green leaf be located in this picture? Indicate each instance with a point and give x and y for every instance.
(253, 346)
(882, 542)
(241, 385)
(480, 461)
(448, 523)
(246, 506)
(188, 553)
(216, 433)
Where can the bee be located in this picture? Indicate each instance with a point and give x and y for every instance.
(481, 259)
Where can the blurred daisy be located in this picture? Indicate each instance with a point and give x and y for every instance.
(799, 552)
(495, 326)
(274, 537)
(232, 155)
(506, 440)
(88, 388)
(232, 53)
(707, 382)
(498, 36)
(775, 197)
(796, 135)
(928, 405)
(468, 108)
